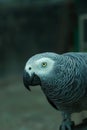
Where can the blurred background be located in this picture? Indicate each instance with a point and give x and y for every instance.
(28, 27)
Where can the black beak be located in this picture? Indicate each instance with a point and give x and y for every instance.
(26, 80)
(30, 80)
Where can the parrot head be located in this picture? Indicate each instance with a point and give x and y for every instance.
(39, 68)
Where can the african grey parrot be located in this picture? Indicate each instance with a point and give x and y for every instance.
(63, 79)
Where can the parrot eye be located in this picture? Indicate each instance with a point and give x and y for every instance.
(44, 64)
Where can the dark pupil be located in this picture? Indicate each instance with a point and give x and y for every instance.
(44, 64)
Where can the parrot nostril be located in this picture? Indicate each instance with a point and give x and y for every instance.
(29, 68)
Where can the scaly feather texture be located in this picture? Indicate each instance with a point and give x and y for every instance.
(63, 79)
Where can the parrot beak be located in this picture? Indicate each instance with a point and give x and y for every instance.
(30, 80)
(26, 80)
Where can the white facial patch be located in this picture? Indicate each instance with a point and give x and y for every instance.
(41, 67)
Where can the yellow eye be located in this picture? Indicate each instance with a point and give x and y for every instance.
(44, 64)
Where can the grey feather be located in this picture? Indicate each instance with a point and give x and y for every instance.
(66, 84)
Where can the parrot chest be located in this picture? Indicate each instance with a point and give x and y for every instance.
(68, 107)
(60, 102)
(54, 99)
